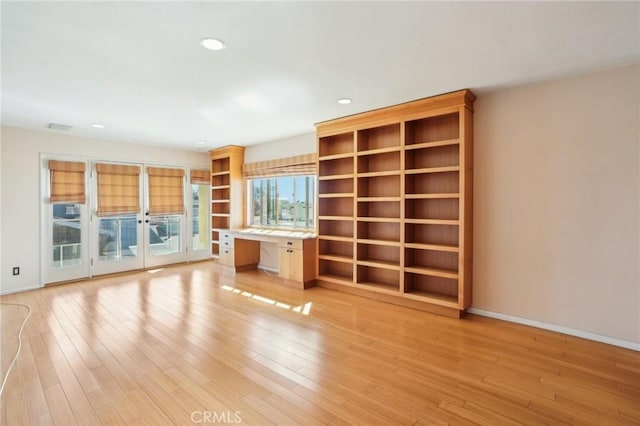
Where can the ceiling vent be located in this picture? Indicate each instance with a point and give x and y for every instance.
(56, 126)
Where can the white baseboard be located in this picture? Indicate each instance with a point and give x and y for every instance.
(18, 290)
(558, 328)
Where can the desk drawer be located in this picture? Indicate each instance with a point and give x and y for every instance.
(291, 244)
(226, 240)
(226, 256)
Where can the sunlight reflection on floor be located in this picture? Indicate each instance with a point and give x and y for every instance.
(301, 309)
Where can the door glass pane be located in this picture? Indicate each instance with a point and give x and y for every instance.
(67, 238)
(118, 238)
(200, 217)
(165, 234)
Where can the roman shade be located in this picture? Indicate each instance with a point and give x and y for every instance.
(166, 190)
(118, 189)
(67, 182)
(290, 166)
(200, 177)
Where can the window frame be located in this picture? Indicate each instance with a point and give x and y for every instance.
(310, 188)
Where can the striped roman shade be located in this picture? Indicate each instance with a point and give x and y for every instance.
(298, 165)
(200, 177)
(118, 189)
(67, 182)
(166, 190)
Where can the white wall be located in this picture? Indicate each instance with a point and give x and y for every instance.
(556, 209)
(1, 268)
(289, 147)
(20, 195)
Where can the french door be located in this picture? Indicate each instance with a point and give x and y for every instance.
(65, 220)
(131, 216)
(139, 218)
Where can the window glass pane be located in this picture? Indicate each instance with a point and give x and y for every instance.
(118, 238)
(311, 201)
(301, 202)
(200, 200)
(269, 200)
(165, 234)
(286, 201)
(67, 238)
(256, 201)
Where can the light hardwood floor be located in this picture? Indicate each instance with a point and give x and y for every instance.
(193, 344)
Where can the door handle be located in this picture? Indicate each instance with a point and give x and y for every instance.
(146, 221)
(140, 221)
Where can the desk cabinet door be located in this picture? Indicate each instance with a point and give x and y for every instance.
(226, 256)
(291, 262)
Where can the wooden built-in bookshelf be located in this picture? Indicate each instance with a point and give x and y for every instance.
(395, 203)
(226, 192)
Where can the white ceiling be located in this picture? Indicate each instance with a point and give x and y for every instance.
(138, 68)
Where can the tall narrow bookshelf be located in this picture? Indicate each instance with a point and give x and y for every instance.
(226, 192)
(336, 209)
(395, 203)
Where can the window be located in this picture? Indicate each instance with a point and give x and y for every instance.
(200, 197)
(282, 202)
(199, 200)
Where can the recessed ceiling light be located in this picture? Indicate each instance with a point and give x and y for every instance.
(212, 44)
(200, 142)
(97, 126)
(344, 101)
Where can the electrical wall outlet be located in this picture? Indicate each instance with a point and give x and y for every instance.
(16, 270)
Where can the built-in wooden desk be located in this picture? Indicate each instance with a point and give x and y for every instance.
(240, 249)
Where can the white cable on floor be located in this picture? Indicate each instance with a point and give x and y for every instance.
(15, 358)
